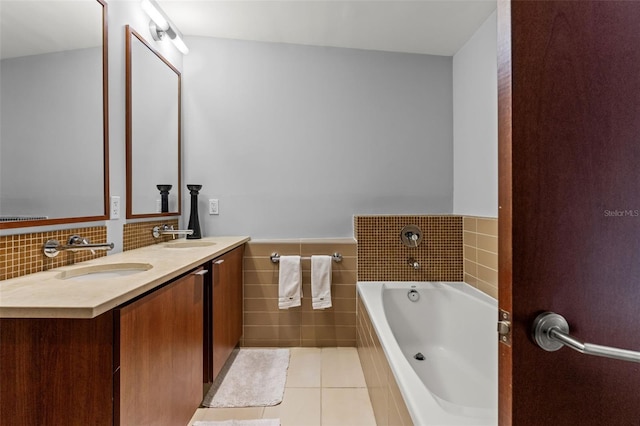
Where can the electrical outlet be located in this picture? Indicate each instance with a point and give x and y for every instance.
(213, 206)
(115, 207)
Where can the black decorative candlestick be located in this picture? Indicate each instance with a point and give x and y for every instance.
(194, 223)
(164, 197)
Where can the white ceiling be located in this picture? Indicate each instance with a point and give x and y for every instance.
(437, 27)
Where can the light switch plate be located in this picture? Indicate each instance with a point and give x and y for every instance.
(213, 206)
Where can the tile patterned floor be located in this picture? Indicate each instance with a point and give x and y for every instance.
(325, 387)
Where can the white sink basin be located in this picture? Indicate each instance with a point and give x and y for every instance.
(190, 244)
(101, 272)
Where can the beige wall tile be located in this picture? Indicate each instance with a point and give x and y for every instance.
(333, 326)
(469, 223)
(470, 268)
(261, 277)
(265, 248)
(321, 318)
(285, 332)
(488, 243)
(470, 238)
(488, 226)
(263, 305)
(471, 253)
(282, 317)
(487, 275)
(325, 332)
(256, 291)
(346, 249)
(487, 288)
(488, 259)
(269, 343)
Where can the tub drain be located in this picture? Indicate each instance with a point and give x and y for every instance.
(419, 356)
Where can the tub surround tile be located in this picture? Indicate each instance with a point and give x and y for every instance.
(480, 239)
(383, 257)
(387, 402)
(300, 326)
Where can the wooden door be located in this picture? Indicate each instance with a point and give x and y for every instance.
(569, 218)
(159, 355)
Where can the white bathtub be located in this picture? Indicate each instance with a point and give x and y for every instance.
(454, 326)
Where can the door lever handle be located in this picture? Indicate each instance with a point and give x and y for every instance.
(551, 332)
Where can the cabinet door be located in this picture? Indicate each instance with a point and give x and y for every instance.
(227, 306)
(56, 371)
(159, 380)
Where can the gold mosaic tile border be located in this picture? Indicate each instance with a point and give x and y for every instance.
(266, 325)
(480, 239)
(23, 254)
(383, 257)
(139, 234)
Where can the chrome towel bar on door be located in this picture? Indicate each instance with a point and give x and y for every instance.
(551, 332)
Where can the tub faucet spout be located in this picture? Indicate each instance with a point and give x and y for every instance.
(413, 263)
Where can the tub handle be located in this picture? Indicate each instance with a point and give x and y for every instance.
(551, 332)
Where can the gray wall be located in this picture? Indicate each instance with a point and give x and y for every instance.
(294, 140)
(475, 124)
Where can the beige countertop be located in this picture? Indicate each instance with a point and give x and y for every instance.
(44, 295)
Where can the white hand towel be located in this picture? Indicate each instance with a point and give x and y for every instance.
(321, 281)
(289, 282)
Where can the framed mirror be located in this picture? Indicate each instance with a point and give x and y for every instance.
(153, 131)
(54, 142)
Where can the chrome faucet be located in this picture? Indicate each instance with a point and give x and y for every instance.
(74, 244)
(413, 263)
(168, 230)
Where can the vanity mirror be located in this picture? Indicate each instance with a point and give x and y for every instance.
(153, 131)
(54, 121)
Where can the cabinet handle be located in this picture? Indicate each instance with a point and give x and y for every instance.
(203, 272)
(218, 262)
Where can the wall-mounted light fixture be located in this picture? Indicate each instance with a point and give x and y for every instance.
(161, 26)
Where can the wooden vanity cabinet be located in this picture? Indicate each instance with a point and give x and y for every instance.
(159, 351)
(224, 311)
(139, 364)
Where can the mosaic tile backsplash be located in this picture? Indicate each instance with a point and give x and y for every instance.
(139, 234)
(383, 257)
(23, 254)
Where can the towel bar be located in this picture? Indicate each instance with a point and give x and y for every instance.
(275, 257)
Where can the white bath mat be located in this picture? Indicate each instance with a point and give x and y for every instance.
(257, 422)
(256, 378)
